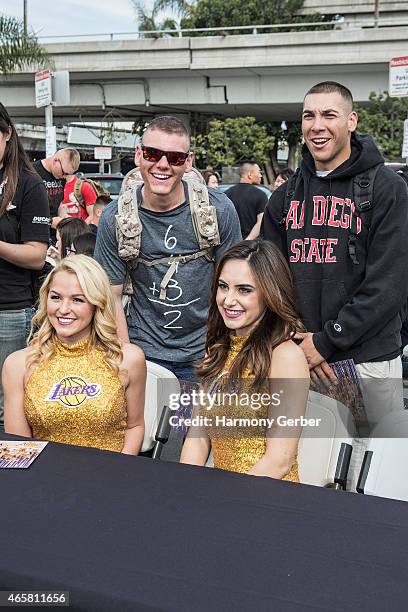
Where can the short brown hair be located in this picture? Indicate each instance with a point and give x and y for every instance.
(332, 87)
(170, 125)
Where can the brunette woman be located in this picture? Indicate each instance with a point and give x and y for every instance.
(24, 236)
(250, 353)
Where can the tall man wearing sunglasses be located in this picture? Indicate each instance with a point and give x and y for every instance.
(53, 170)
(171, 329)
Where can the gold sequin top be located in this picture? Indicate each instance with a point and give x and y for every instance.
(231, 451)
(75, 398)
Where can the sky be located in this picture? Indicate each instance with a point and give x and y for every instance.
(62, 17)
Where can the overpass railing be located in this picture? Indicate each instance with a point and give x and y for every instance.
(340, 23)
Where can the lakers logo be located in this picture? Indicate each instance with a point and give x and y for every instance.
(72, 391)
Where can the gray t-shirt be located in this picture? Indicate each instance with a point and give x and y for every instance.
(173, 329)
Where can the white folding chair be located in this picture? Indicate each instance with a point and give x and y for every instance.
(383, 471)
(317, 456)
(160, 384)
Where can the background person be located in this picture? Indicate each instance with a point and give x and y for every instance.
(84, 244)
(67, 230)
(251, 322)
(97, 211)
(249, 201)
(24, 236)
(282, 176)
(53, 170)
(76, 383)
(211, 179)
(73, 206)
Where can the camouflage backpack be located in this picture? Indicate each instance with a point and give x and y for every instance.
(129, 227)
(97, 187)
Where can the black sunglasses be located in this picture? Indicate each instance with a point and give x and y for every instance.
(175, 158)
(62, 169)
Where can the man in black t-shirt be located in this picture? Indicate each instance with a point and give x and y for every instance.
(249, 201)
(52, 170)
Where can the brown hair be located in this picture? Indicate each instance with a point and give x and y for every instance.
(285, 173)
(332, 87)
(207, 174)
(84, 244)
(15, 159)
(279, 322)
(170, 125)
(69, 228)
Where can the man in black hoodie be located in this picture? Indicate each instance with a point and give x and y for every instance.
(349, 302)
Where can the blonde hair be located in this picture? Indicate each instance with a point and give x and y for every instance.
(95, 285)
(72, 156)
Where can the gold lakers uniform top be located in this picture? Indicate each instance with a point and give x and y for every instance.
(76, 398)
(239, 448)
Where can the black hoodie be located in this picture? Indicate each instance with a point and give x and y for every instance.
(352, 310)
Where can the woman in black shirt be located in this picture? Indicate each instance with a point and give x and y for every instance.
(24, 235)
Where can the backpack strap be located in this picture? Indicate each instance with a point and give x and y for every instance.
(203, 214)
(78, 192)
(173, 261)
(129, 227)
(363, 184)
(291, 185)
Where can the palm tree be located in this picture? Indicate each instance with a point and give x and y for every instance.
(17, 49)
(153, 19)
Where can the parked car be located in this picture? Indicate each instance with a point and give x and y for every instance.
(264, 188)
(399, 168)
(111, 182)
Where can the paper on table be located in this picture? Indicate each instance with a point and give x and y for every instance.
(19, 453)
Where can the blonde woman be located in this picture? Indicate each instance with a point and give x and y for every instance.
(76, 383)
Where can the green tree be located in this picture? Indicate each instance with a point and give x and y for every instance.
(226, 142)
(383, 118)
(222, 13)
(229, 141)
(287, 135)
(19, 50)
(293, 138)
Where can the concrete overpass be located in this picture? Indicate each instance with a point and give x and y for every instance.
(361, 11)
(264, 75)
